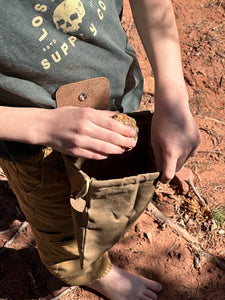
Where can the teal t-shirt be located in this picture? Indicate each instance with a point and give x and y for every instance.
(49, 43)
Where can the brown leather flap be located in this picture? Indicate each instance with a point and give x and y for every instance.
(87, 93)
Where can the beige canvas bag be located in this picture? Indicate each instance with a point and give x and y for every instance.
(107, 196)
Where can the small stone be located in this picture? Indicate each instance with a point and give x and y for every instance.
(148, 235)
(221, 231)
(182, 223)
(138, 228)
(186, 216)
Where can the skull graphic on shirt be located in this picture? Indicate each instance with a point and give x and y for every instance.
(68, 15)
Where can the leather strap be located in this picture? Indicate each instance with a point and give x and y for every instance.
(93, 93)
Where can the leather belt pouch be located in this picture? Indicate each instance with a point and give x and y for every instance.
(87, 93)
(108, 196)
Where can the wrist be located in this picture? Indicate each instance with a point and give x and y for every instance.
(171, 94)
(40, 127)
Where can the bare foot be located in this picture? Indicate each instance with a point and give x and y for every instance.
(121, 285)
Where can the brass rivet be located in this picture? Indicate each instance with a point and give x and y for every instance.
(83, 96)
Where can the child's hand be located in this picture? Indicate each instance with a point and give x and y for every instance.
(87, 132)
(175, 137)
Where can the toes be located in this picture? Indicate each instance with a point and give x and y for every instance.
(154, 286)
(150, 295)
(146, 297)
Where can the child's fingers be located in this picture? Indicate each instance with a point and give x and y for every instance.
(106, 121)
(98, 146)
(169, 167)
(111, 137)
(88, 154)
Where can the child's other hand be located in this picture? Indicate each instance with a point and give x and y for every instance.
(174, 138)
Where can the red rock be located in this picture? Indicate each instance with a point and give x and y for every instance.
(180, 179)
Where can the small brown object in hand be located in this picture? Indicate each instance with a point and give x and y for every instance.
(126, 120)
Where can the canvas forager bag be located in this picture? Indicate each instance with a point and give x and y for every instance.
(107, 196)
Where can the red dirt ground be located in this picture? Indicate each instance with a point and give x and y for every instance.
(153, 248)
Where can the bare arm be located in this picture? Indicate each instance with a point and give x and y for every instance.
(175, 135)
(82, 132)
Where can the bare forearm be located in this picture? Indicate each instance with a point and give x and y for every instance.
(157, 28)
(22, 124)
(82, 132)
(174, 134)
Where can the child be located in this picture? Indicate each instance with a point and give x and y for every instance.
(46, 44)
